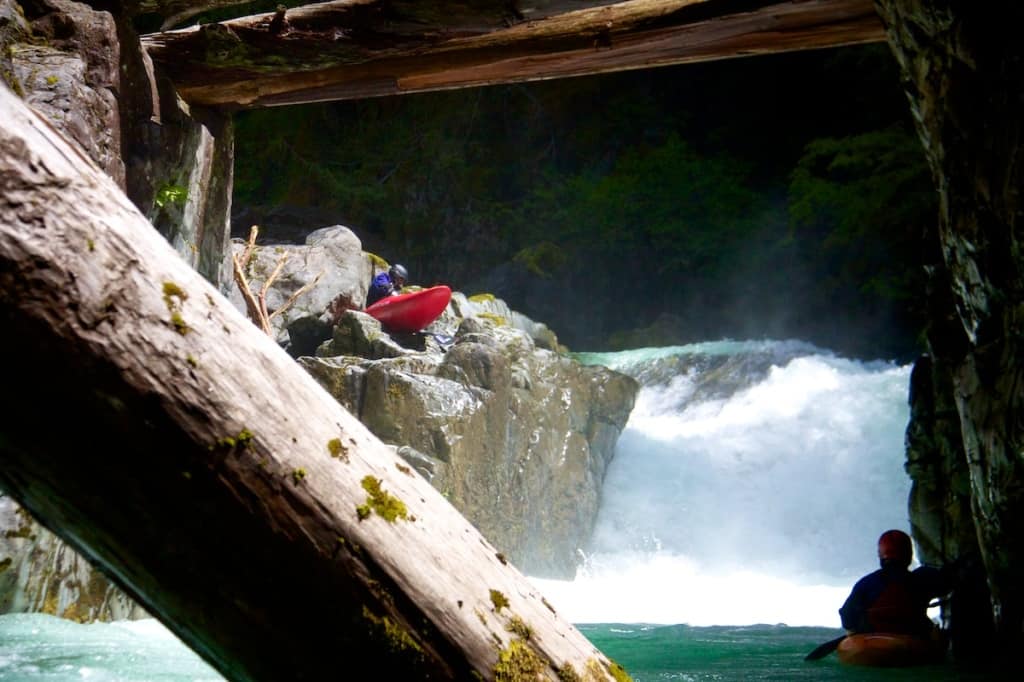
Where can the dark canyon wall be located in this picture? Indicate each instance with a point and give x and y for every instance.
(962, 70)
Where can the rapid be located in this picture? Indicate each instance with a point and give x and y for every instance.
(749, 486)
(745, 497)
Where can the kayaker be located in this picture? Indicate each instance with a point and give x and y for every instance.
(387, 283)
(893, 598)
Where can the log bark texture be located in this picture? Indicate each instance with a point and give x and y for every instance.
(161, 434)
(354, 49)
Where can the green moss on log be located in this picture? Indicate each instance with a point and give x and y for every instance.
(337, 449)
(174, 299)
(518, 662)
(396, 638)
(387, 506)
(518, 626)
(499, 600)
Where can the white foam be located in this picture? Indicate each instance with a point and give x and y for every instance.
(762, 507)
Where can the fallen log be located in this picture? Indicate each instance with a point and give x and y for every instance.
(351, 49)
(166, 438)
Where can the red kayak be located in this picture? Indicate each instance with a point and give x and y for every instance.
(885, 649)
(411, 312)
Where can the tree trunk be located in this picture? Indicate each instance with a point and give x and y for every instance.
(352, 50)
(160, 433)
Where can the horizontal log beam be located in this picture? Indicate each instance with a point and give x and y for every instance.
(358, 49)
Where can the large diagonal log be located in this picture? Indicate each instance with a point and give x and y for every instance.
(363, 48)
(159, 432)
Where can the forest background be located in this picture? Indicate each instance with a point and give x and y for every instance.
(784, 196)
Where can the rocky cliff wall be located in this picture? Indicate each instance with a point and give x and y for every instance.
(514, 433)
(86, 72)
(963, 71)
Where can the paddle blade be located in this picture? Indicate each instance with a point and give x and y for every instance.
(823, 650)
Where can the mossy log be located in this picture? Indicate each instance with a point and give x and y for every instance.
(175, 445)
(350, 50)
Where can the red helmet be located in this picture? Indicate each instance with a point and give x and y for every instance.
(895, 546)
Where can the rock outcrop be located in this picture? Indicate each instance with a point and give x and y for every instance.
(86, 72)
(516, 434)
(962, 72)
(518, 437)
(39, 573)
(324, 277)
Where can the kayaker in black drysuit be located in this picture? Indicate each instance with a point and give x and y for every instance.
(893, 598)
(387, 283)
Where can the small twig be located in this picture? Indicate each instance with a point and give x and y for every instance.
(257, 304)
(250, 301)
(250, 245)
(256, 309)
(305, 287)
(266, 287)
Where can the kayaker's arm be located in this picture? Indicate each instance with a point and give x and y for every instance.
(854, 611)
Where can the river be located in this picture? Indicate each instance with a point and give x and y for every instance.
(745, 497)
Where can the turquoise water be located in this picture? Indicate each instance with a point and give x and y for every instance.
(40, 648)
(759, 652)
(37, 648)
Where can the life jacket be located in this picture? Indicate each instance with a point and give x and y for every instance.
(894, 610)
(380, 287)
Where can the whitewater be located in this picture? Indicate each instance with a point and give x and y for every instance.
(748, 487)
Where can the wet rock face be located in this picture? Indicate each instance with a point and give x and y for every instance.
(516, 436)
(41, 574)
(85, 72)
(962, 66)
(941, 516)
(64, 61)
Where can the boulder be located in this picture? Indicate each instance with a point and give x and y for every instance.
(332, 269)
(516, 436)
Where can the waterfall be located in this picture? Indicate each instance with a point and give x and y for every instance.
(749, 486)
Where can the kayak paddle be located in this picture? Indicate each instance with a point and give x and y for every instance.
(825, 649)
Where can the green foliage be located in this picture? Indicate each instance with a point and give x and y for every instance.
(170, 194)
(541, 259)
(866, 201)
(682, 209)
(723, 200)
